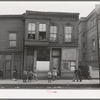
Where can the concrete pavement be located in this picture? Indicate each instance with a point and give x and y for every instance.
(93, 81)
(43, 84)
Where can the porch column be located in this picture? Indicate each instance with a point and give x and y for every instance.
(25, 59)
(35, 59)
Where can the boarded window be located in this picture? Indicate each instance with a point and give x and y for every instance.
(43, 56)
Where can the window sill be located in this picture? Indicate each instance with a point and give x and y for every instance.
(13, 47)
(42, 71)
(65, 70)
(67, 42)
(36, 40)
(41, 40)
(53, 41)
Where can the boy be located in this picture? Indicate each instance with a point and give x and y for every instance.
(49, 76)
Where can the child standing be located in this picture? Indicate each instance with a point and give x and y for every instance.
(30, 76)
(49, 76)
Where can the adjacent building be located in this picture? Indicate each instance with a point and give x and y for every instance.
(39, 41)
(89, 33)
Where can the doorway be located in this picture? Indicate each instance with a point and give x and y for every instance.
(56, 57)
(8, 70)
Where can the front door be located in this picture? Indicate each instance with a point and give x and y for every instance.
(8, 70)
(56, 56)
(56, 63)
(17, 64)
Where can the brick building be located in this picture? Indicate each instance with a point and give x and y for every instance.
(39, 41)
(88, 38)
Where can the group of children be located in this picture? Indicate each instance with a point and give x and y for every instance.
(29, 76)
(52, 75)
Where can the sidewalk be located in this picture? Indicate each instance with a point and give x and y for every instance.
(94, 81)
(43, 84)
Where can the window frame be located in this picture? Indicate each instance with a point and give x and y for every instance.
(99, 41)
(93, 44)
(29, 32)
(42, 31)
(54, 25)
(69, 68)
(69, 25)
(11, 40)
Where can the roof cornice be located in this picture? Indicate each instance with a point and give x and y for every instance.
(51, 13)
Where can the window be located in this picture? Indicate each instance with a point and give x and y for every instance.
(12, 39)
(66, 65)
(99, 42)
(73, 64)
(93, 44)
(69, 65)
(42, 31)
(93, 22)
(53, 33)
(31, 31)
(68, 33)
(43, 59)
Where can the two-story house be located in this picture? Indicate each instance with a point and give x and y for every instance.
(39, 41)
(11, 44)
(51, 40)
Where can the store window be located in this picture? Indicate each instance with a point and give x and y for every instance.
(12, 39)
(31, 31)
(42, 31)
(69, 65)
(66, 65)
(1, 61)
(53, 33)
(43, 59)
(67, 33)
(72, 66)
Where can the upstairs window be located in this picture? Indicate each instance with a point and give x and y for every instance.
(31, 31)
(68, 33)
(99, 42)
(53, 33)
(93, 22)
(12, 39)
(93, 44)
(42, 31)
